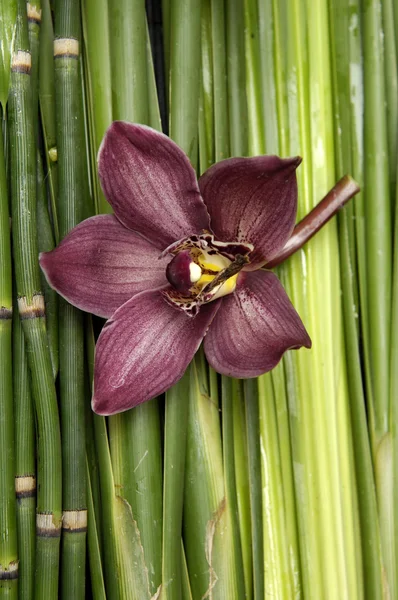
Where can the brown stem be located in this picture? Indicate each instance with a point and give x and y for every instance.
(338, 196)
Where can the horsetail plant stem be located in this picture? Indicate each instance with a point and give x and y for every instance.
(25, 467)
(8, 536)
(72, 172)
(32, 313)
(47, 108)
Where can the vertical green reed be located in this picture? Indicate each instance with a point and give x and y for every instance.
(31, 309)
(8, 534)
(71, 206)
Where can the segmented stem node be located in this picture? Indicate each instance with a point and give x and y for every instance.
(33, 310)
(21, 62)
(66, 48)
(74, 521)
(25, 486)
(5, 313)
(9, 572)
(34, 13)
(47, 526)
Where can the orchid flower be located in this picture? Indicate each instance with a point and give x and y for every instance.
(180, 261)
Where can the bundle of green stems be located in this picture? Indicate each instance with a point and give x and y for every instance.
(284, 486)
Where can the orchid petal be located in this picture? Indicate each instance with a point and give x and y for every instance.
(101, 264)
(143, 350)
(150, 184)
(254, 327)
(252, 200)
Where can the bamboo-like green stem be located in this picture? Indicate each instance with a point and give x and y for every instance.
(45, 242)
(47, 108)
(94, 555)
(8, 535)
(173, 487)
(378, 215)
(25, 467)
(99, 89)
(31, 309)
(229, 395)
(254, 468)
(72, 171)
(221, 120)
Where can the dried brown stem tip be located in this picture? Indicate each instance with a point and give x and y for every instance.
(338, 196)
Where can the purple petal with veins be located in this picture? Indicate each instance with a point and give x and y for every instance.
(143, 350)
(254, 327)
(150, 184)
(101, 264)
(252, 200)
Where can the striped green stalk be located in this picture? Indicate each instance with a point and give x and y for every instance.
(345, 157)
(379, 273)
(135, 441)
(31, 309)
(394, 384)
(8, 535)
(254, 472)
(177, 405)
(317, 385)
(45, 242)
(47, 108)
(230, 396)
(206, 113)
(281, 570)
(93, 544)
(95, 18)
(254, 88)
(237, 104)
(242, 485)
(391, 79)
(72, 171)
(208, 535)
(221, 120)
(8, 16)
(25, 464)
(377, 220)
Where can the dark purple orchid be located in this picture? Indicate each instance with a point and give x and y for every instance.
(180, 261)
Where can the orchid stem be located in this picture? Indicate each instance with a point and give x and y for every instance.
(338, 196)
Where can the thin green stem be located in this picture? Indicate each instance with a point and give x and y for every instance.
(31, 309)
(8, 536)
(72, 171)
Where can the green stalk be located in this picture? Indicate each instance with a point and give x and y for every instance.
(71, 199)
(94, 555)
(253, 85)
(268, 78)
(47, 108)
(236, 74)
(31, 309)
(377, 219)
(394, 386)
(8, 536)
(279, 573)
(25, 467)
(45, 242)
(173, 487)
(95, 20)
(206, 113)
(367, 504)
(208, 535)
(242, 485)
(391, 82)
(254, 469)
(221, 120)
(230, 396)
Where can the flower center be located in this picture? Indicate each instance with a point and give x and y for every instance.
(197, 274)
(203, 269)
